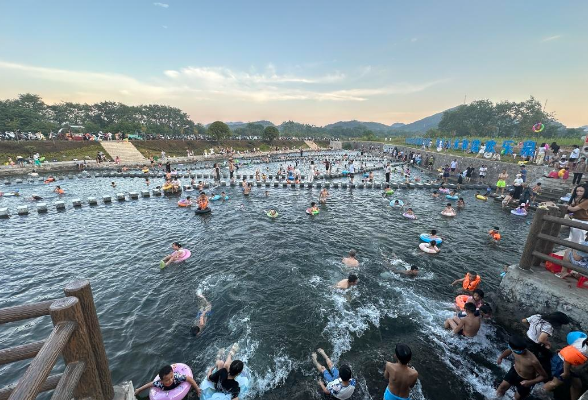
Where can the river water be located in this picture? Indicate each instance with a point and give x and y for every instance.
(270, 283)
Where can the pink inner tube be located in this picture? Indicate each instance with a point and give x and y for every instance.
(424, 247)
(185, 255)
(179, 392)
(409, 216)
(447, 214)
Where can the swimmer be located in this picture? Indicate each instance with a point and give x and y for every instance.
(401, 377)
(266, 193)
(351, 261)
(410, 212)
(435, 194)
(413, 271)
(313, 207)
(432, 245)
(245, 187)
(494, 234)
(397, 203)
(461, 203)
(176, 255)
(113, 184)
(36, 197)
(226, 372)
(223, 196)
(467, 326)
(433, 234)
(477, 298)
(202, 201)
(348, 283)
(272, 213)
(449, 210)
(469, 282)
(147, 181)
(188, 201)
(201, 318)
(169, 380)
(323, 196)
(525, 372)
(452, 193)
(59, 190)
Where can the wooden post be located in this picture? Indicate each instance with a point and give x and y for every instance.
(527, 256)
(78, 347)
(554, 229)
(83, 291)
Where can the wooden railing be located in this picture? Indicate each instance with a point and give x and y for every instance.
(544, 235)
(76, 336)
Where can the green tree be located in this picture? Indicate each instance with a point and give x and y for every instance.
(219, 130)
(270, 133)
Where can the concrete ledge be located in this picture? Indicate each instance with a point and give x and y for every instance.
(538, 291)
(124, 391)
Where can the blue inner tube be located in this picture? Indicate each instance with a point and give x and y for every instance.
(205, 211)
(452, 197)
(400, 203)
(215, 198)
(425, 237)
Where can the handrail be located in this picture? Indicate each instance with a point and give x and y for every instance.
(566, 222)
(68, 383)
(563, 263)
(25, 311)
(19, 353)
(50, 384)
(567, 243)
(29, 385)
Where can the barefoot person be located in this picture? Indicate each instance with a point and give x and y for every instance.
(525, 372)
(201, 318)
(401, 377)
(226, 372)
(467, 326)
(348, 283)
(351, 261)
(340, 384)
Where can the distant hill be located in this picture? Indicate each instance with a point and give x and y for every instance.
(238, 124)
(397, 125)
(373, 126)
(422, 125)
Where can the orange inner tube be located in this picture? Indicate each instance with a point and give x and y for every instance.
(461, 300)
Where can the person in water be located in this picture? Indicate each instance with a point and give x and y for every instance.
(409, 211)
(477, 298)
(201, 318)
(461, 203)
(223, 196)
(435, 194)
(469, 282)
(175, 256)
(467, 326)
(432, 245)
(401, 377)
(350, 260)
(113, 184)
(413, 271)
(340, 384)
(59, 190)
(525, 372)
(273, 213)
(576, 355)
(494, 234)
(168, 380)
(202, 201)
(188, 201)
(245, 186)
(313, 208)
(226, 372)
(348, 283)
(323, 196)
(397, 203)
(449, 210)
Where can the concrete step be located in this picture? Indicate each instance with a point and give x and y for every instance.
(126, 151)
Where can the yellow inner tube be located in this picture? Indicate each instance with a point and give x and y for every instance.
(480, 197)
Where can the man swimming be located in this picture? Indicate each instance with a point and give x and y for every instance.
(201, 318)
(351, 261)
(348, 283)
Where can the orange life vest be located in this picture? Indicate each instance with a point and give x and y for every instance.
(572, 355)
(471, 285)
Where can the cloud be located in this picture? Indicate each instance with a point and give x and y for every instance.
(550, 38)
(162, 5)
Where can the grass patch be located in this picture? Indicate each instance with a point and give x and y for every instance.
(178, 148)
(60, 150)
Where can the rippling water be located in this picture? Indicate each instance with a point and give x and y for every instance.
(270, 283)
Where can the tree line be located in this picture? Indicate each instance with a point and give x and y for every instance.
(507, 119)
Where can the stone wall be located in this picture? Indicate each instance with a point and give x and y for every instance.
(534, 172)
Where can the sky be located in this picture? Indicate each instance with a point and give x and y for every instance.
(315, 62)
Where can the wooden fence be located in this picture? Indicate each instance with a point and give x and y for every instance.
(76, 336)
(544, 235)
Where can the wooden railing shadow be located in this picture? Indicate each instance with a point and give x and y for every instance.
(76, 336)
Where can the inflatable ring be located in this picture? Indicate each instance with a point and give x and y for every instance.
(480, 197)
(209, 392)
(205, 211)
(184, 203)
(488, 155)
(446, 214)
(538, 127)
(573, 336)
(409, 216)
(310, 212)
(389, 192)
(42, 159)
(272, 216)
(520, 214)
(187, 253)
(177, 393)
(215, 197)
(400, 203)
(452, 197)
(425, 247)
(461, 300)
(444, 191)
(425, 237)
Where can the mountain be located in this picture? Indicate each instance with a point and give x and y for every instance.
(584, 128)
(373, 126)
(422, 125)
(238, 124)
(397, 125)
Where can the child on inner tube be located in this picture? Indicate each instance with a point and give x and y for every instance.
(202, 201)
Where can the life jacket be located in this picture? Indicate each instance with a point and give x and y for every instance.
(471, 285)
(572, 355)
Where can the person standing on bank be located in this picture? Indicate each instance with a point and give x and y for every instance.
(578, 169)
(578, 205)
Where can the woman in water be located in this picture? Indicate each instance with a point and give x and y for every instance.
(177, 254)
